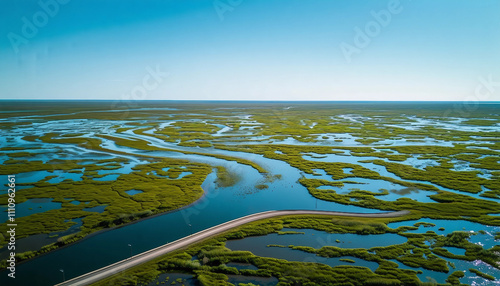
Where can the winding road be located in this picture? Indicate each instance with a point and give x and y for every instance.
(146, 256)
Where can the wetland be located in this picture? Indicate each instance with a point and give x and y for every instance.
(94, 177)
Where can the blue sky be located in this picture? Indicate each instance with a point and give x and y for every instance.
(250, 50)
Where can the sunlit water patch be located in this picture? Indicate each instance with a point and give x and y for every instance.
(460, 265)
(486, 240)
(419, 163)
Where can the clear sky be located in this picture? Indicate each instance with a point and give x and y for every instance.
(250, 49)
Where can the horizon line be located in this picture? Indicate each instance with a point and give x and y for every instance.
(249, 100)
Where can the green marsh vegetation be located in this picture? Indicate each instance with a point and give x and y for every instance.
(207, 260)
(302, 122)
(226, 178)
(143, 145)
(480, 122)
(261, 186)
(316, 131)
(161, 191)
(448, 205)
(481, 274)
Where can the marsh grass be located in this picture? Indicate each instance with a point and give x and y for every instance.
(160, 194)
(214, 255)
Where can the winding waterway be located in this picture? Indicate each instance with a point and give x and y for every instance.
(218, 205)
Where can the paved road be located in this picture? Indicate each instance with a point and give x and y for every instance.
(120, 266)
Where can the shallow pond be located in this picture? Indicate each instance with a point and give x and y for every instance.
(97, 209)
(61, 176)
(133, 192)
(316, 239)
(39, 240)
(259, 245)
(240, 266)
(261, 249)
(111, 177)
(31, 206)
(455, 250)
(396, 191)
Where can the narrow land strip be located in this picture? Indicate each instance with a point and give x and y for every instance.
(146, 256)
